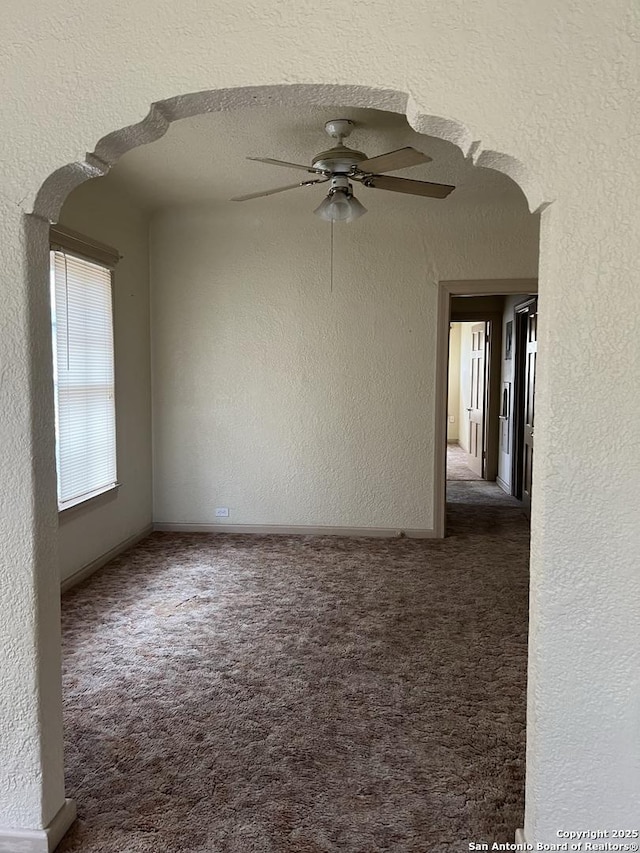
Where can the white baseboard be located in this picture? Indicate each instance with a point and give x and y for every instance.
(103, 559)
(520, 839)
(295, 530)
(504, 486)
(39, 840)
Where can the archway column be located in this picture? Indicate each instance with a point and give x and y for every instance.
(33, 811)
(583, 753)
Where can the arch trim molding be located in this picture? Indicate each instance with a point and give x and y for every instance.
(162, 114)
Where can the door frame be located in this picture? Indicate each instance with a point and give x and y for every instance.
(521, 318)
(447, 289)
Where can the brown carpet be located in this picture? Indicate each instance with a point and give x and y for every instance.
(236, 694)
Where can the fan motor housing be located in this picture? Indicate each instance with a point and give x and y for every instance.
(339, 160)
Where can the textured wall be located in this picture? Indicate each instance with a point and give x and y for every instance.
(554, 86)
(294, 405)
(90, 530)
(31, 772)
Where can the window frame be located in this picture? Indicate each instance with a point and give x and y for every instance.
(85, 248)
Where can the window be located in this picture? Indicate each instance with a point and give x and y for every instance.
(83, 364)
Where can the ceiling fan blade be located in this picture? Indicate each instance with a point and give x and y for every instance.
(392, 160)
(279, 190)
(403, 185)
(284, 163)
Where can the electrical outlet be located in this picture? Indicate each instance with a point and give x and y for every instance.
(222, 512)
(452, 419)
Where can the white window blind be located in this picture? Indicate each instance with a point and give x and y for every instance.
(84, 377)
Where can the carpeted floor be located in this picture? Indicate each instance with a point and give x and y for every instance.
(237, 694)
(457, 468)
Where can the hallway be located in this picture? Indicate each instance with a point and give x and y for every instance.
(457, 467)
(239, 694)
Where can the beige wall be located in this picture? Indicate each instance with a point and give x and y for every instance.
(453, 396)
(89, 531)
(291, 404)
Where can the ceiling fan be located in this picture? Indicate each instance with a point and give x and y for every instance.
(341, 165)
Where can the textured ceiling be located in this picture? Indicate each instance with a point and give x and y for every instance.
(203, 159)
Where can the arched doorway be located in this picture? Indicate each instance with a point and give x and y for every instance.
(55, 189)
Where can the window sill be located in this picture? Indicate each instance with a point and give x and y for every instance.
(88, 501)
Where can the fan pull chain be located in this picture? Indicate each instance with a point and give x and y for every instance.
(331, 290)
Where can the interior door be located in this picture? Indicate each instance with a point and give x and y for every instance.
(531, 351)
(475, 409)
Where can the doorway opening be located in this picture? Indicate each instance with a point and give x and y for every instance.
(467, 444)
(487, 373)
(111, 147)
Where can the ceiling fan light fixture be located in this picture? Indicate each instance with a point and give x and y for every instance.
(340, 205)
